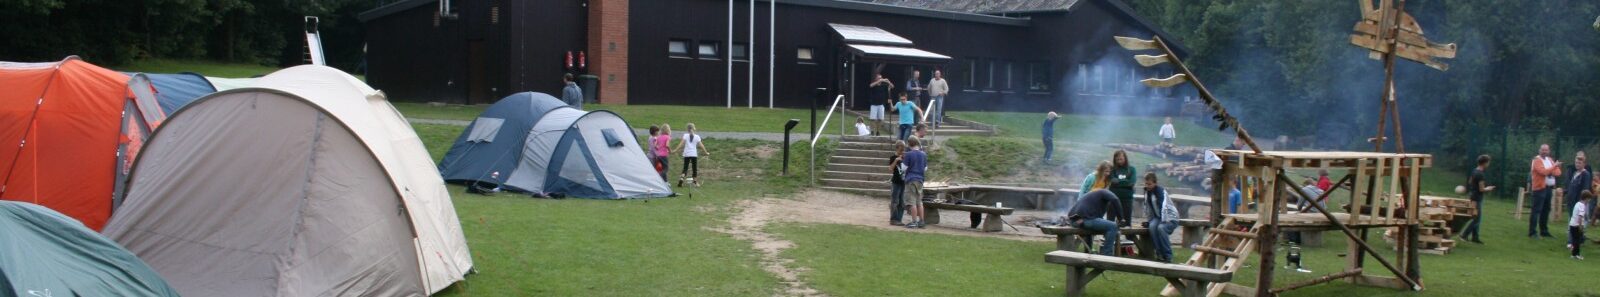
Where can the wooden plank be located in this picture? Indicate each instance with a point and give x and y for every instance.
(1359, 192)
(1138, 266)
(1394, 189)
(970, 208)
(1234, 289)
(1413, 194)
(1381, 282)
(1232, 233)
(1216, 251)
(1319, 280)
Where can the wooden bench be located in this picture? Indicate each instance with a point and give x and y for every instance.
(1191, 281)
(1070, 238)
(991, 215)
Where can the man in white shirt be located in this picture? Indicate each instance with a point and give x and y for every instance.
(938, 88)
(1167, 133)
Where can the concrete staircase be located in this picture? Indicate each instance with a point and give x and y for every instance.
(952, 126)
(860, 165)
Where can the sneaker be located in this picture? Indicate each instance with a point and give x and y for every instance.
(893, 223)
(1475, 240)
(1580, 258)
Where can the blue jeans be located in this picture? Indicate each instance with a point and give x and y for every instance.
(1541, 213)
(897, 205)
(1471, 232)
(1106, 228)
(938, 110)
(905, 130)
(1161, 234)
(1049, 147)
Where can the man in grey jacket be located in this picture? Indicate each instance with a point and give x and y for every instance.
(571, 94)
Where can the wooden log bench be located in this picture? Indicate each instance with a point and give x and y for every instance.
(1191, 281)
(992, 222)
(1070, 238)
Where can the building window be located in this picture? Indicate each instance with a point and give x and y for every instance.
(1038, 77)
(1009, 76)
(969, 73)
(990, 74)
(708, 50)
(805, 55)
(739, 52)
(1083, 79)
(678, 48)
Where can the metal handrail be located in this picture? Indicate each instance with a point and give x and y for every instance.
(831, 107)
(931, 130)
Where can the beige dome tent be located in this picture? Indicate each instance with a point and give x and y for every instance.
(308, 184)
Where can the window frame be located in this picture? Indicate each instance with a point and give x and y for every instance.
(1038, 74)
(739, 52)
(686, 54)
(810, 57)
(716, 50)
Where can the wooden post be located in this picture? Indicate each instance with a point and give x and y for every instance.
(1267, 242)
(1521, 193)
(1076, 280)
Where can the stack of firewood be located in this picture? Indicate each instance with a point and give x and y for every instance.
(1441, 219)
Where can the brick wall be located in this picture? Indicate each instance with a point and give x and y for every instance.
(608, 48)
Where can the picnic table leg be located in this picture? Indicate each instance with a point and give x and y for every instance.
(1192, 235)
(1074, 275)
(1066, 242)
(991, 223)
(1195, 289)
(930, 215)
(1144, 244)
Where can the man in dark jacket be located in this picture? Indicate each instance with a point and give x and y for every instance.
(1092, 213)
(570, 93)
(1581, 178)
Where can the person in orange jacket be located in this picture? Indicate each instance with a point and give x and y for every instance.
(1544, 171)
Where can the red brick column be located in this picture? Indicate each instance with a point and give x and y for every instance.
(608, 48)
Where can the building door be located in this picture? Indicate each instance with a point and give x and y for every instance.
(477, 84)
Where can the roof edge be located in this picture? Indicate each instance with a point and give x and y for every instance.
(392, 8)
(911, 11)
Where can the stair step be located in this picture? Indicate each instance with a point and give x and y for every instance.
(857, 168)
(867, 146)
(836, 159)
(879, 154)
(875, 193)
(863, 176)
(858, 184)
(868, 139)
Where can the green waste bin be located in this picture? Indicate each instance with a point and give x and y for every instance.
(590, 85)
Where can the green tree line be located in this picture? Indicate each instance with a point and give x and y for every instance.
(1287, 67)
(114, 32)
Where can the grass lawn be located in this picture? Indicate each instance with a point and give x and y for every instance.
(577, 247)
(858, 261)
(207, 68)
(706, 118)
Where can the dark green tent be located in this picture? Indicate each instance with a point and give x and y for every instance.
(45, 253)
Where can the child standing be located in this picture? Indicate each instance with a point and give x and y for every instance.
(916, 163)
(692, 148)
(897, 185)
(662, 150)
(1580, 215)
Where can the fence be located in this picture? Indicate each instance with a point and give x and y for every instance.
(1513, 149)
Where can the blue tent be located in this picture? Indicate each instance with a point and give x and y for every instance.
(46, 253)
(539, 145)
(174, 90)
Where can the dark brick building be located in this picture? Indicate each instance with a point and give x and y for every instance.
(997, 55)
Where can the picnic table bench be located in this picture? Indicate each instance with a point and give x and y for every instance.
(1191, 281)
(991, 215)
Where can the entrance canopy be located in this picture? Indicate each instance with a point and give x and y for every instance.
(876, 45)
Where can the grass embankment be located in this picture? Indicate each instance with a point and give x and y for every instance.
(207, 68)
(1108, 129)
(577, 247)
(706, 118)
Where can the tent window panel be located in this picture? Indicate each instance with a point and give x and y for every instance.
(485, 129)
(611, 138)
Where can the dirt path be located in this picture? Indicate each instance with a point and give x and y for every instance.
(829, 207)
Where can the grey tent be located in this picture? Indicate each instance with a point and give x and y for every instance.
(309, 184)
(46, 253)
(542, 146)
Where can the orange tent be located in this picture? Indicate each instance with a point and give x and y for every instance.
(64, 136)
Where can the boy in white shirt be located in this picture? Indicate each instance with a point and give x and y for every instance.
(1580, 215)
